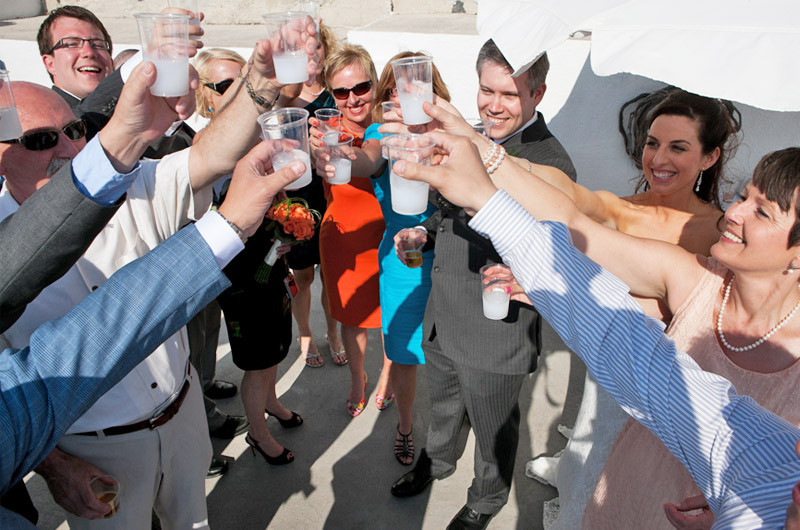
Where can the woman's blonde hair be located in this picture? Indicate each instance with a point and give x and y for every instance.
(345, 56)
(387, 83)
(202, 64)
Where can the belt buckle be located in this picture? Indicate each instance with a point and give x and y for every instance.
(154, 420)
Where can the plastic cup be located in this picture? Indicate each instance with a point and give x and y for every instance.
(411, 241)
(494, 281)
(390, 115)
(409, 197)
(312, 8)
(165, 42)
(188, 5)
(339, 145)
(288, 47)
(328, 119)
(10, 127)
(413, 77)
(108, 494)
(290, 123)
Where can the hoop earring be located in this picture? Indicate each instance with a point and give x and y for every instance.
(699, 181)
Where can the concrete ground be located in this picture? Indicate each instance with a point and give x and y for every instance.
(344, 467)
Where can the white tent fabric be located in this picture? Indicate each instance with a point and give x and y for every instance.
(743, 50)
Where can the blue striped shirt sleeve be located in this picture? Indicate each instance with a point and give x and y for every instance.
(740, 455)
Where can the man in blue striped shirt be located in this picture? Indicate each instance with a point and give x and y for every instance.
(743, 458)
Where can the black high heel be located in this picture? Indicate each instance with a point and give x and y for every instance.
(284, 458)
(294, 421)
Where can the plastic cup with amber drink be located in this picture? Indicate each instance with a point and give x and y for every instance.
(411, 241)
(106, 489)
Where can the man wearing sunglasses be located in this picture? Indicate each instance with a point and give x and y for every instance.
(76, 50)
(115, 436)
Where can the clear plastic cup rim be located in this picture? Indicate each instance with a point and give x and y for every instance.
(329, 112)
(284, 15)
(162, 16)
(417, 59)
(295, 115)
(405, 137)
(348, 139)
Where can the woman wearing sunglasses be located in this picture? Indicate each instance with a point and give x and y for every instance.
(403, 290)
(352, 227)
(303, 258)
(248, 303)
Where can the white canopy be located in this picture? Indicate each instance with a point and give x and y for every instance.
(743, 50)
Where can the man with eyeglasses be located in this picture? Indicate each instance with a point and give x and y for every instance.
(76, 50)
(162, 467)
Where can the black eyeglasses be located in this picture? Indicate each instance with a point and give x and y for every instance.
(43, 140)
(77, 42)
(359, 90)
(219, 87)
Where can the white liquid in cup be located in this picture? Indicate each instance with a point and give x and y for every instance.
(172, 78)
(291, 67)
(287, 157)
(495, 304)
(411, 103)
(10, 127)
(342, 175)
(409, 197)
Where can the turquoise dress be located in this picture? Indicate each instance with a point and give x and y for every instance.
(404, 292)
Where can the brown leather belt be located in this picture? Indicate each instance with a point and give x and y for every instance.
(152, 423)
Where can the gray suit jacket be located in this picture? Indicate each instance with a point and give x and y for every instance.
(454, 313)
(46, 236)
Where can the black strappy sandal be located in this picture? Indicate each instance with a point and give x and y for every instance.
(404, 448)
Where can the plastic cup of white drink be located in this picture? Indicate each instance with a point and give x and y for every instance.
(413, 77)
(288, 48)
(328, 119)
(409, 197)
(495, 278)
(10, 127)
(188, 5)
(339, 145)
(290, 123)
(165, 42)
(389, 112)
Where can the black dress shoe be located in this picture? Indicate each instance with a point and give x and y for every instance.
(218, 467)
(469, 519)
(221, 390)
(231, 428)
(415, 481)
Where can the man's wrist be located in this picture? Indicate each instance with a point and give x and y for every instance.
(263, 93)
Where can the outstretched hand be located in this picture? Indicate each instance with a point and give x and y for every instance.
(141, 118)
(461, 177)
(251, 190)
(303, 29)
(445, 118)
(677, 516)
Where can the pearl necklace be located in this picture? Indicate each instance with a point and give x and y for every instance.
(308, 90)
(757, 343)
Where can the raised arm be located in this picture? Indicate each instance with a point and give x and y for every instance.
(650, 268)
(231, 134)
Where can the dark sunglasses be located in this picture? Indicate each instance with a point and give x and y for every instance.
(43, 140)
(359, 90)
(220, 87)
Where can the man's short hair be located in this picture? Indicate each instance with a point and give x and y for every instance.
(45, 36)
(535, 75)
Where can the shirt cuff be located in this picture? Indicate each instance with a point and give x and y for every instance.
(128, 66)
(95, 177)
(222, 239)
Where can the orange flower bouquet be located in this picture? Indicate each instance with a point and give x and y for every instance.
(291, 221)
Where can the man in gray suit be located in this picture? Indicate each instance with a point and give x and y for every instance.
(475, 366)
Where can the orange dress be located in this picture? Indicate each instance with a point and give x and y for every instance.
(349, 236)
